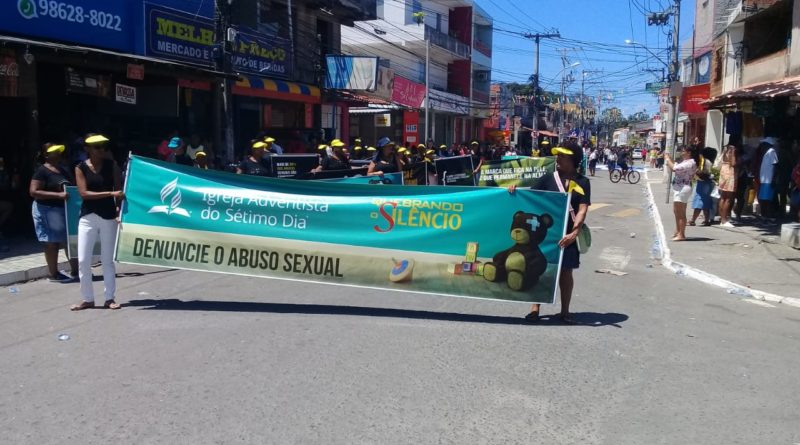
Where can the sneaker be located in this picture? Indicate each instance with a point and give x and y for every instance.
(61, 278)
(73, 277)
(727, 224)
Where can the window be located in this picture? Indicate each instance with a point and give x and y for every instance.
(379, 9)
(438, 22)
(273, 18)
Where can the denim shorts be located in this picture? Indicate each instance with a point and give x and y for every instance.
(50, 223)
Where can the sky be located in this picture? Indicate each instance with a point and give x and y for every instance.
(593, 33)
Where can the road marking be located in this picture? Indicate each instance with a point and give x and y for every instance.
(627, 213)
(596, 206)
(758, 302)
(617, 257)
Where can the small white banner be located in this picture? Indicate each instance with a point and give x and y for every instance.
(126, 94)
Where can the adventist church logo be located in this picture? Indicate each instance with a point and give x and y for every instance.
(27, 9)
(174, 206)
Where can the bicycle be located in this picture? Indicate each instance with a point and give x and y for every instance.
(632, 176)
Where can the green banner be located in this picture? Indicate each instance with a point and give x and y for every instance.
(520, 171)
(461, 241)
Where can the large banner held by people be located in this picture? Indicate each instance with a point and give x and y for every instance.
(458, 241)
(519, 171)
(72, 213)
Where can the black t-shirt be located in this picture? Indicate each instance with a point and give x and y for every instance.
(250, 167)
(103, 181)
(184, 159)
(548, 183)
(623, 156)
(331, 163)
(386, 167)
(52, 182)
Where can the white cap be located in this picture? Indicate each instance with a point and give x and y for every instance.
(770, 140)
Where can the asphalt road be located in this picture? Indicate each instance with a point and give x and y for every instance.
(201, 358)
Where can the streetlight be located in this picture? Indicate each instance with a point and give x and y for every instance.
(634, 43)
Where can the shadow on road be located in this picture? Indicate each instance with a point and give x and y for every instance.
(583, 318)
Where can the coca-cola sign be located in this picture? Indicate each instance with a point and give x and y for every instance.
(407, 93)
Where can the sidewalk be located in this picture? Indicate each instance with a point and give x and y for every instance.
(750, 255)
(24, 262)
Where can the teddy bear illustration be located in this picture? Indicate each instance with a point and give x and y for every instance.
(521, 265)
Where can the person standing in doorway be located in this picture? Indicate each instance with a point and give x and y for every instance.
(48, 192)
(766, 189)
(99, 182)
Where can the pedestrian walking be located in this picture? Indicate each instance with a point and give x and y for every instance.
(727, 185)
(566, 177)
(99, 181)
(683, 171)
(704, 185)
(592, 161)
(47, 189)
(766, 189)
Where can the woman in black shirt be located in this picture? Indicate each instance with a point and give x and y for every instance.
(99, 182)
(49, 220)
(567, 161)
(335, 158)
(386, 161)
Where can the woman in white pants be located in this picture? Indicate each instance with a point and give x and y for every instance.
(99, 182)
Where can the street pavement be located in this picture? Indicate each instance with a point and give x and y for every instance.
(202, 358)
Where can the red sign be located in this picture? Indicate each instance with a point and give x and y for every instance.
(408, 93)
(411, 127)
(135, 71)
(692, 98)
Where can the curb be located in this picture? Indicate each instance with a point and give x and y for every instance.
(20, 276)
(700, 275)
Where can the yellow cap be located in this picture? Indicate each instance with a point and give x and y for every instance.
(200, 154)
(269, 140)
(561, 151)
(56, 149)
(402, 150)
(429, 152)
(96, 139)
(357, 147)
(443, 146)
(545, 143)
(358, 139)
(321, 147)
(421, 146)
(370, 148)
(259, 145)
(337, 143)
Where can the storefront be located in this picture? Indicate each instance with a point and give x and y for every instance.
(693, 113)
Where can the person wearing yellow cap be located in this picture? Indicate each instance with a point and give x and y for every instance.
(272, 147)
(358, 149)
(201, 160)
(386, 159)
(566, 178)
(48, 193)
(253, 164)
(336, 158)
(99, 181)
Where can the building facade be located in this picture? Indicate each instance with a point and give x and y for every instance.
(452, 39)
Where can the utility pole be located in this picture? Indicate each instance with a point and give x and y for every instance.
(564, 80)
(224, 139)
(675, 86)
(583, 101)
(537, 38)
(427, 88)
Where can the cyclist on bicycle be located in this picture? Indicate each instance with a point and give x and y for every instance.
(622, 160)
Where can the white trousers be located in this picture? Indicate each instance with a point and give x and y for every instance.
(89, 228)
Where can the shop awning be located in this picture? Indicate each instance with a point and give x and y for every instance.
(277, 89)
(369, 110)
(789, 86)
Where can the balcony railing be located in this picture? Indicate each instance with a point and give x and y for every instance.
(482, 48)
(451, 44)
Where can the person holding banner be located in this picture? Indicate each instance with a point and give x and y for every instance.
(335, 158)
(386, 160)
(252, 164)
(566, 178)
(49, 220)
(477, 158)
(99, 181)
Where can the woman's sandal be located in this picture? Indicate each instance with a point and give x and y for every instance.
(532, 317)
(111, 304)
(83, 305)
